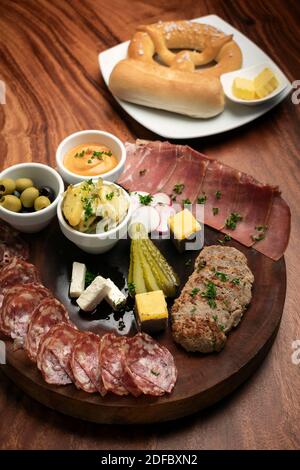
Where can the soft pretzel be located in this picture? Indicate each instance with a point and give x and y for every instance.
(155, 74)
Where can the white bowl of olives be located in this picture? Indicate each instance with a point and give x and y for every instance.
(29, 194)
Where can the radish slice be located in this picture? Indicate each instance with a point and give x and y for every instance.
(148, 216)
(165, 212)
(161, 198)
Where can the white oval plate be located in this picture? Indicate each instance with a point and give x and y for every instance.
(176, 126)
(250, 73)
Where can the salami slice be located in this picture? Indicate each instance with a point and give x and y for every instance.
(112, 357)
(55, 353)
(150, 365)
(18, 306)
(7, 232)
(85, 364)
(48, 312)
(18, 271)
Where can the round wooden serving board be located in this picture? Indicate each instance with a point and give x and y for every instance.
(202, 379)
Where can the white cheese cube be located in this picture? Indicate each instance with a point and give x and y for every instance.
(78, 279)
(114, 296)
(93, 294)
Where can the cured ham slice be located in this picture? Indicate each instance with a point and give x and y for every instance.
(189, 172)
(49, 312)
(257, 204)
(153, 164)
(251, 194)
(85, 364)
(219, 190)
(278, 230)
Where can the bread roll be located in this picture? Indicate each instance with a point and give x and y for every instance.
(161, 87)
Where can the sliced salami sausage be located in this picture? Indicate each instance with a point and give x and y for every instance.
(18, 272)
(49, 312)
(85, 363)
(150, 365)
(112, 358)
(18, 306)
(11, 245)
(55, 353)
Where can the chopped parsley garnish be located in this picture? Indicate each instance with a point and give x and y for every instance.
(222, 327)
(212, 303)
(215, 210)
(155, 373)
(235, 281)
(142, 172)
(194, 291)
(90, 161)
(226, 238)
(261, 229)
(210, 294)
(89, 277)
(131, 288)
(232, 220)
(109, 196)
(100, 154)
(173, 197)
(218, 194)
(178, 188)
(188, 262)
(215, 317)
(186, 201)
(222, 276)
(87, 207)
(146, 200)
(80, 154)
(202, 199)
(105, 227)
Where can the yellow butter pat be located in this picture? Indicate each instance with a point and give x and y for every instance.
(183, 225)
(265, 83)
(243, 89)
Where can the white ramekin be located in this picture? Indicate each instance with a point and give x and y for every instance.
(42, 175)
(95, 243)
(85, 137)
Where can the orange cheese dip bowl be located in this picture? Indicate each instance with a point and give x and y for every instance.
(88, 154)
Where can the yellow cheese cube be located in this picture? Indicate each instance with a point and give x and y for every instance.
(183, 225)
(265, 83)
(152, 311)
(243, 88)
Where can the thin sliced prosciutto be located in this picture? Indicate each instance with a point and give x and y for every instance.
(263, 216)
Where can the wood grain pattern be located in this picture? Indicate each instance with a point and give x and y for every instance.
(202, 379)
(48, 57)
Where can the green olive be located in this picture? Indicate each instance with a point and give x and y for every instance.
(7, 186)
(41, 202)
(23, 183)
(28, 196)
(11, 203)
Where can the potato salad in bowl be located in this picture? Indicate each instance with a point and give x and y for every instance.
(95, 206)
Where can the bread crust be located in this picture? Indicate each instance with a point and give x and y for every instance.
(176, 86)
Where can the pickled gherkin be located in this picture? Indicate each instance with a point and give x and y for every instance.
(149, 270)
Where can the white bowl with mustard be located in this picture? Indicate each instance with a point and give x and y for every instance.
(90, 154)
(94, 214)
(254, 85)
(29, 194)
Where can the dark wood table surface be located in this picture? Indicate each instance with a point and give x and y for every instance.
(49, 62)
